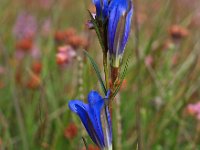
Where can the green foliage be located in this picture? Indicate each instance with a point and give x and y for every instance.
(97, 71)
(37, 118)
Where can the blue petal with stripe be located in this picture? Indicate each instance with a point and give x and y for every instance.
(90, 115)
(101, 8)
(119, 26)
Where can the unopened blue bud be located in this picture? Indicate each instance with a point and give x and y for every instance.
(119, 26)
(101, 8)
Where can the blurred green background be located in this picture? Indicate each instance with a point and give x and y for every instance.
(38, 77)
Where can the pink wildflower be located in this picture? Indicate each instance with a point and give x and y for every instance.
(25, 26)
(149, 61)
(65, 55)
(194, 110)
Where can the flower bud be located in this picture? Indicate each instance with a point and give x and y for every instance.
(101, 8)
(119, 25)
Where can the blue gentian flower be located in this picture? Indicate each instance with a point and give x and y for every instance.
(119, 25)
(91, 115)
(101, 8)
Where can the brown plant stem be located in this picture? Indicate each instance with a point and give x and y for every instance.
(114, 75)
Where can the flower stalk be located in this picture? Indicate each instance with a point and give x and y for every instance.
(112, 23)
(105, 66)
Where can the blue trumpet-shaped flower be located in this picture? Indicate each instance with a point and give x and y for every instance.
(101, 8)
(119, 25)
(91, 115)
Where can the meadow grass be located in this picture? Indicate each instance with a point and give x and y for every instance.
(162, 79)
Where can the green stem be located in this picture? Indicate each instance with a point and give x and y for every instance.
(139, 84)
(13, 92)
(105, 65)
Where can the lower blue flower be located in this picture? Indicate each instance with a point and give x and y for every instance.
(90, 115)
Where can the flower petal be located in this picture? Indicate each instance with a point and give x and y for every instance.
(101, 7)
(96, 104)
(90, 115)
(82, 110)
(119, 24)
(128, 25)
(112, 26)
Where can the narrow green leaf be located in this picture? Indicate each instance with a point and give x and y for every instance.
(97, 71)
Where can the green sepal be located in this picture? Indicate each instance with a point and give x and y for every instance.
(121, 78)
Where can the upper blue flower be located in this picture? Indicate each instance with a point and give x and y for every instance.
(101, 8)
(119, 25)
(90, 115)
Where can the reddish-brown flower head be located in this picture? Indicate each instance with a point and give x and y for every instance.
(36, 67)
(70, 131)
(25, 44)
(34, 81)
(62, 36)
(178, 32)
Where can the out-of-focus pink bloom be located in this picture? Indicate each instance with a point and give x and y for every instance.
(2, 70)
(35, 52)
(25, 26)
(142, 17)
(195, 22)
(19, 54)
(175, 59)
(194, 110)
(46, 4)
(65, 55)
(149, 61)
(189, 4)
(46, 27)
